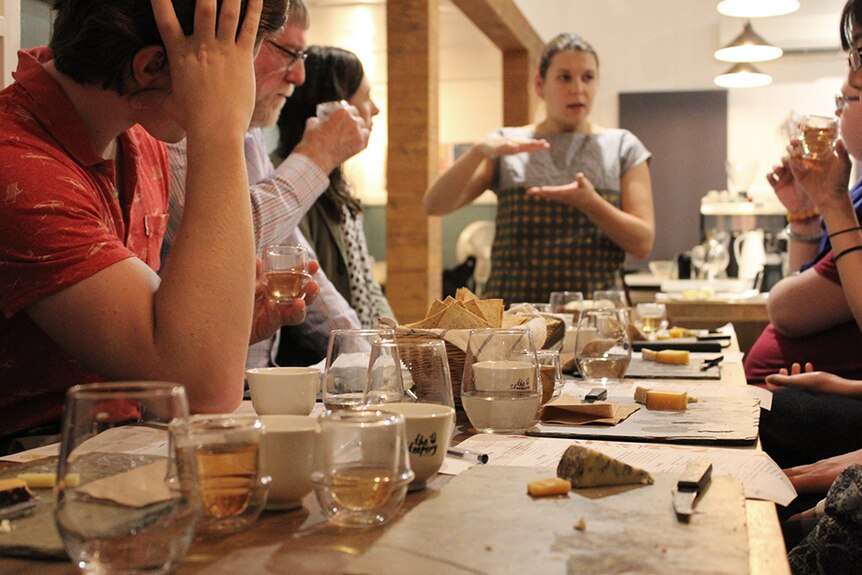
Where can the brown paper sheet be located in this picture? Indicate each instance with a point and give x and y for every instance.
(568, 410)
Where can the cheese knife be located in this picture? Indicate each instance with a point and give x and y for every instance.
(691, 485)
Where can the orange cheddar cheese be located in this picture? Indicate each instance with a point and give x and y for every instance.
(549, 486)
(667, 400)
(672, 356)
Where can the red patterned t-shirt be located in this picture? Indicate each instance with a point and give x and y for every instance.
(62, 222)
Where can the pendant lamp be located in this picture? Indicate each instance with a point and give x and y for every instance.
(743, 75)
(757, 8)
(748, 47)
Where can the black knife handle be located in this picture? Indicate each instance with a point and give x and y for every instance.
(696, 475)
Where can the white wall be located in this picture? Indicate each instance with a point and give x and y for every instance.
(643, 46)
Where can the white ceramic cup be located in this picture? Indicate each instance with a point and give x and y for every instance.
(429, 429)
(288, 450)
(283, 390)
(503, 375)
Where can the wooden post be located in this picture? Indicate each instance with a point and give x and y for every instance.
(413, 250)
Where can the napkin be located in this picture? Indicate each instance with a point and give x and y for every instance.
(570, 410)
(136, 488)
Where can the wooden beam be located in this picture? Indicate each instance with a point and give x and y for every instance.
(413, 240)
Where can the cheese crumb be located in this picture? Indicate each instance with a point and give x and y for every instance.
(581, 525)
(5, 526)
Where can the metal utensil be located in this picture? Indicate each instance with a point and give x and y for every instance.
(690, 486)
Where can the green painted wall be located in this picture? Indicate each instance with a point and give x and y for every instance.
(375, 229)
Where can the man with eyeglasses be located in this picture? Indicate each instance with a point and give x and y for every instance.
(281, 195)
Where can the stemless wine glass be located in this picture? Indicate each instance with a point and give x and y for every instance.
(568, 303)
(425, 370)
(610, 298)
(286, 271)
(602, 346)
(384, 383)
(129, 511)
(500, 387)
(347, 359)
(650, 319)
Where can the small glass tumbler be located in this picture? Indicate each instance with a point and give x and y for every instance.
(603, 349)
(550, 373)
(286, 271)
(650, 319)
(363, 470)
(817, 135)
(227, 454)
(425, 370)
(130, 511)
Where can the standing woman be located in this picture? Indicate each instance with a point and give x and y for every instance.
(573, 198)
(333, 225)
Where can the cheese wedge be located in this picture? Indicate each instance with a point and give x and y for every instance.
(667, 400)
(47, 480)
(678, 332)
(548, 487)
(585, 467)
(672, 356)
(13, 491)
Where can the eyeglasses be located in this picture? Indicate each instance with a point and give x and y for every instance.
(841, 100)
(295, 56)
(854, 58)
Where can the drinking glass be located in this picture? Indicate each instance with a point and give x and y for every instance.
(425, 370)
(602, 346)
(568, 303)
(286, 271)
(550, 373)
(500, 387)
(347, 359)
(384, 383)
(650, 319)
(363, 470)
(610, 298)
(227, 452)
(130, 511)
(817, 136)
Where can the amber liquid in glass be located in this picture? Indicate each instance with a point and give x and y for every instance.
(228, 475)
(286, 285)
(362, 488)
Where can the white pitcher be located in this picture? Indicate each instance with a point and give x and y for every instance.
(750, 253)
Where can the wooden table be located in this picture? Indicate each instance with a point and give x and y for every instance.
(276, 529)
(749, 317)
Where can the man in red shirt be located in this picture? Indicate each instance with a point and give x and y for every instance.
(84, 183)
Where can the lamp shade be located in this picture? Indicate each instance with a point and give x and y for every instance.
(757, 8)
(743, 75)
(748, 47)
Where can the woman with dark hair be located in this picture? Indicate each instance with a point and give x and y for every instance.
(572, 198)
(333, 225)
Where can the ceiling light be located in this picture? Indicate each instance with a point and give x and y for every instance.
(757, 8)
(743, 75)
(748, 47)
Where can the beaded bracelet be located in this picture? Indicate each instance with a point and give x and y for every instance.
(838, 233)
(805, 239)
(847, 251)
(801, 217)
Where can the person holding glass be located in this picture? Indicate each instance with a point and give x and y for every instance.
(333, 225)
(798, 331)
(573, 198)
